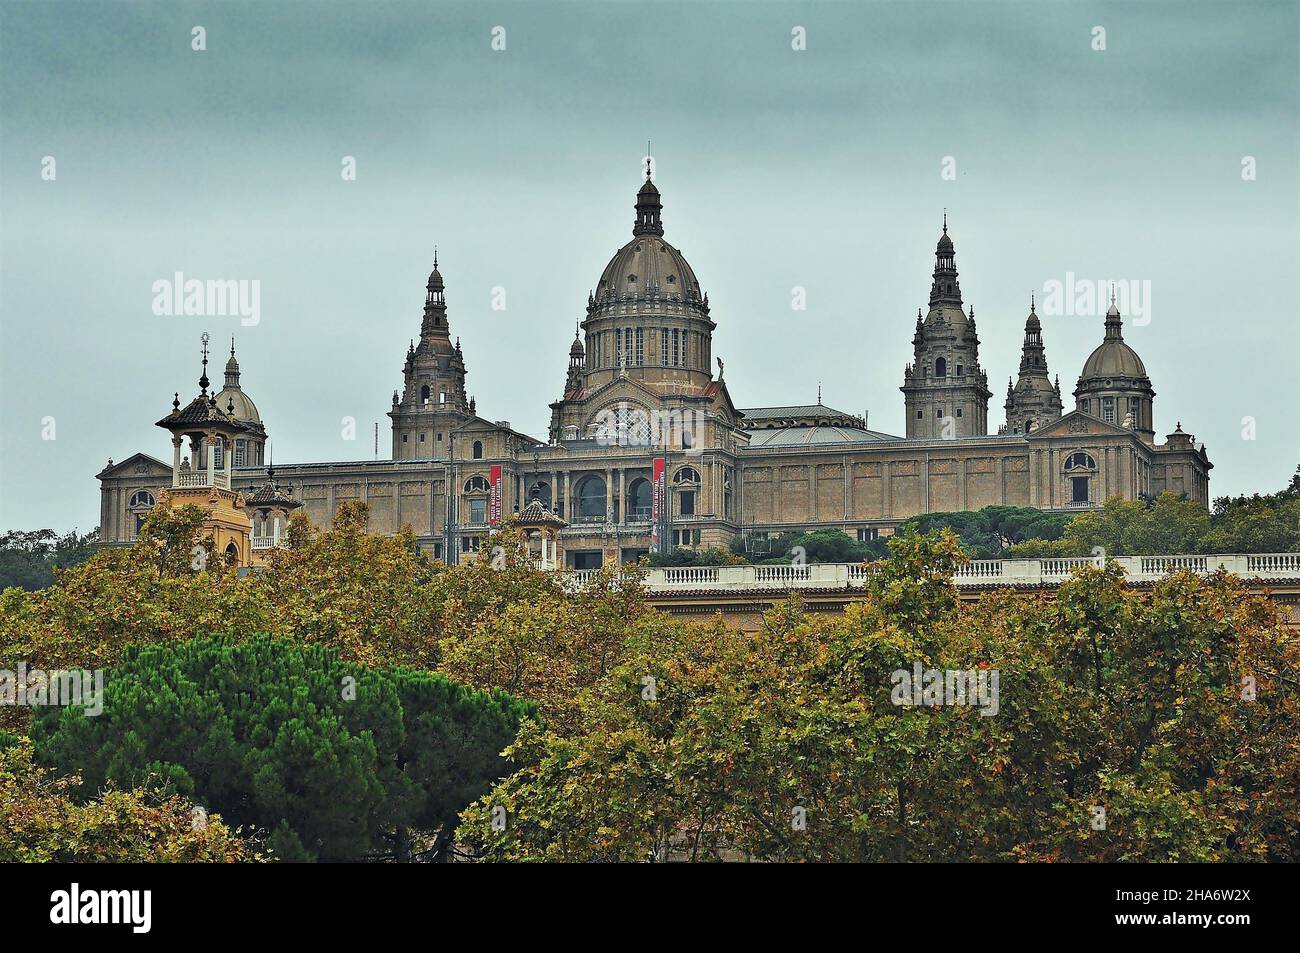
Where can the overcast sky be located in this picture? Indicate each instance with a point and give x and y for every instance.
(779, 168)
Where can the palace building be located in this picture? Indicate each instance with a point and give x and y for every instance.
(646, 447)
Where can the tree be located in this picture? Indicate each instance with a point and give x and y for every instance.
(1172, 711)
(40, 822)
(337, 761)
(986, 533)
(28, 559)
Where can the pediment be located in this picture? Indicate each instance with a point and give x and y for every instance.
(138, 464)
(1076, 423)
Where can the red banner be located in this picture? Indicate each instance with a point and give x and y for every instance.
(658, 497)
(494, 497)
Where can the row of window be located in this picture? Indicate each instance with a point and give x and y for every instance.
(1108, 408)
(476, 451)
(675, 348)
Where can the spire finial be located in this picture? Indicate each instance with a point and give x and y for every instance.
(819, 393)
(647, 160)
(435, 256)
(1112, 292)
(232, 345)
(203, 380)
(1031, 302)
(945, 221)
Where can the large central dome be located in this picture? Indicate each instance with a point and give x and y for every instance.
(647, 266)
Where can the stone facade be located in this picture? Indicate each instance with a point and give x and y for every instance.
(639, 385)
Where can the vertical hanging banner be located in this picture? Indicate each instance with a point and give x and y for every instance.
(494, 496)
(658, 509)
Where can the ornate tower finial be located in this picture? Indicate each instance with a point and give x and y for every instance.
(945, 221)
(203, 380)
(648, 160)
(1031, 302)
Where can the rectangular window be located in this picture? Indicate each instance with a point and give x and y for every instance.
(240, 453)
(640, 347)
(1079, 489)
(677, 348)
(663, 346)
(477, 512)
(687, 498)
(867, 534)
(1108, 410)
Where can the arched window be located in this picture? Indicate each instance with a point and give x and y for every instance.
(686, 475)
(940, 367)
(1080, 461)
(141, 498)
(232, 552)
(477, 484)
(478, 449)
(638, 499)
(591, 498)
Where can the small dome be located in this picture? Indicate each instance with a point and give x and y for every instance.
(245, 410)
(1113, 358)
(576, 349)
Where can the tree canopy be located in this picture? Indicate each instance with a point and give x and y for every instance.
(338, 761)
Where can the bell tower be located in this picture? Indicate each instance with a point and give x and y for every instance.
(945, 392)
(432, 400)
(1034, 400)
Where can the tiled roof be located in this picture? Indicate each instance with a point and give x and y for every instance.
(814, 436)
(797, 410)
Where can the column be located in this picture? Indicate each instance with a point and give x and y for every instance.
(609, 494)
(212, 455)
(622, 495)
(176, 460)
(555, 493)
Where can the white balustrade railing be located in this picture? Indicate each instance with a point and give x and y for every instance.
(981, 572)
(782, 574)
(263, 542)
(1280, 563)
(200, 478)
(690, 575)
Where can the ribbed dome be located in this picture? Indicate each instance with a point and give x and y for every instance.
(646, 265)
(245, 409)
(1113, 359)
